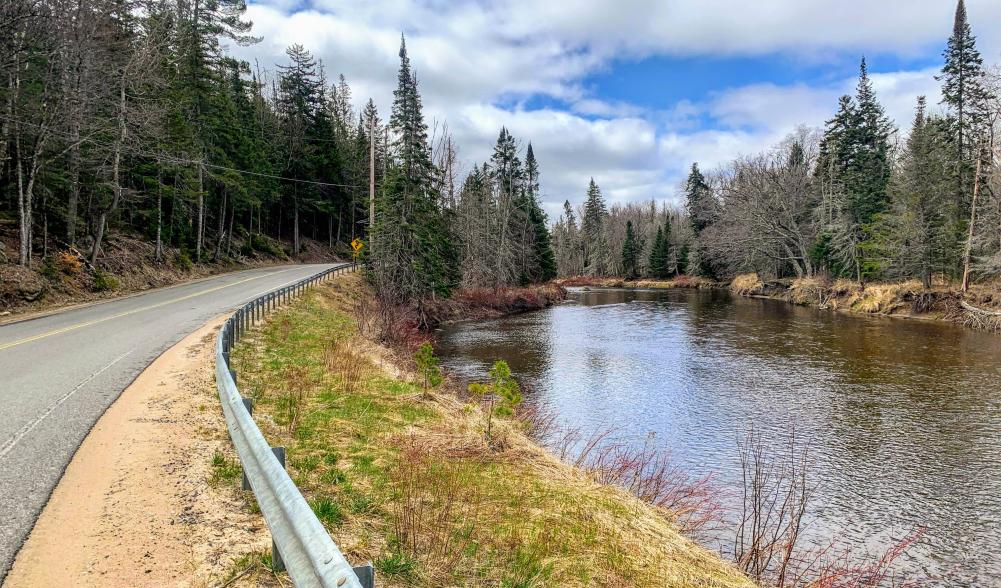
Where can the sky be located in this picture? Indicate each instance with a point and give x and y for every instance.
(629, 92)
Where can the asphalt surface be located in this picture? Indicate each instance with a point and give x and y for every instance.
(59, 373)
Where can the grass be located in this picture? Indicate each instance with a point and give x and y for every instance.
(224, 469)
(406, 479)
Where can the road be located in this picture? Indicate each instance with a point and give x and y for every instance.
(60, 372)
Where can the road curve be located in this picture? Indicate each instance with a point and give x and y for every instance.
(58, 374)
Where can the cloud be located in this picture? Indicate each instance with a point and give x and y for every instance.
(481, 64)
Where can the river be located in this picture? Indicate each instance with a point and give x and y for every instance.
(902, 417)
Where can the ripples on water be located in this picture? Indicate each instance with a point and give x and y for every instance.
(903, 418)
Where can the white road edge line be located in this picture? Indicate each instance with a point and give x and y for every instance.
(9, 445)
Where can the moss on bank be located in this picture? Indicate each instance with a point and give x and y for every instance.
(406, 479)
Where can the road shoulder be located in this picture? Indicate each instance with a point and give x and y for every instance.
(136, 506)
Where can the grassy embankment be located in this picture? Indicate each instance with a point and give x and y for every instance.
(408, 480)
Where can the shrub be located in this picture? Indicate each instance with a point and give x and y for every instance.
(427, 367)
(502, 392)
(184, 260)
(103, 281)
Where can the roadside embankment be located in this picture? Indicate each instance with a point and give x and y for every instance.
(129, 265)
(149, 497)
(411, 479)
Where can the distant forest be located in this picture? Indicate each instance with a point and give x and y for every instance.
(859, 199)
(128, 116)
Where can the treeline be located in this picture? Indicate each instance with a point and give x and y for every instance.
(128, 115)
(849, 201)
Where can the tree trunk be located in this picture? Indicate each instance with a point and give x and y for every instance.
(968, 250)
(222, 226)
(116, 180)
(74, 195)
(159, 213)
(201, 213)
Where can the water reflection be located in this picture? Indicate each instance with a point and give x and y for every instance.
(903, 417)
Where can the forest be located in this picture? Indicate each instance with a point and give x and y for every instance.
(128, 117)
(859, 198)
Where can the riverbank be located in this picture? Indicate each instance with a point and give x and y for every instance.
(406, 478)
(979, 308)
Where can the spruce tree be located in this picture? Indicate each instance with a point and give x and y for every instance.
(417, 257)
(964, 92)
(543, 257)
(594, 245)
(630, 253)
(702, 209)
(656, 261)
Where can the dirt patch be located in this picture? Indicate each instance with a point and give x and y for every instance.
(137, 506)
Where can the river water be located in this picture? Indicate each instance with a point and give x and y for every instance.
(902, 418)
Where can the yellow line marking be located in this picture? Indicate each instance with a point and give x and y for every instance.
(134, 311)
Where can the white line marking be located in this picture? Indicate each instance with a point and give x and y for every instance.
(9, 445)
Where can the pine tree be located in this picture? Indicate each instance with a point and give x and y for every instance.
(702, 211)
(543, 258)
(630, 253)
(964, 92)
(417, 257)
(594, 245)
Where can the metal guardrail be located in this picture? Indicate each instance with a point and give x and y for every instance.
(300, 544)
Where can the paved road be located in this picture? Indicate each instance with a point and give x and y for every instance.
(59, 373)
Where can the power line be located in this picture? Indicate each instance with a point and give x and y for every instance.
(175, 159)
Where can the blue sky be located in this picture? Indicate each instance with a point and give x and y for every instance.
(630, 92)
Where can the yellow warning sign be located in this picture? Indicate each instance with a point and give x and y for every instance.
(357, 245)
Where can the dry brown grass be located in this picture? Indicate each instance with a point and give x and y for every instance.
(747, 285)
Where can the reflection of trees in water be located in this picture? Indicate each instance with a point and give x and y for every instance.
(902, 416)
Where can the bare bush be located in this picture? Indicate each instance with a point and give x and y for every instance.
(342, 360)
(769, 544)
(435, 510)
(648, 472)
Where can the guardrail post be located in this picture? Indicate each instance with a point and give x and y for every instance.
(276, 557)
(232, 374)
(366, 575)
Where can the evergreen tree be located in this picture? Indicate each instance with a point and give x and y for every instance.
(594, 245)
(660, 253)
(964, 92)
(543, 259)
(913, 235)
(631, 253)
(702, 209)
(417, 257)
(699, 201)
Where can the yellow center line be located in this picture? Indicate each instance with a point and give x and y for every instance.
(134, 311)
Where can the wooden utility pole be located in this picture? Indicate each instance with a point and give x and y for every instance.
(973, 218)
(371, 182)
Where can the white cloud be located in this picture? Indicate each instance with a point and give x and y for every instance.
(472, 56)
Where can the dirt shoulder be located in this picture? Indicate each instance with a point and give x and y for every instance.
(138, 504)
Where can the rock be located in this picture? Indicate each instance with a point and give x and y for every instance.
(20, 284)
